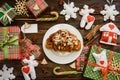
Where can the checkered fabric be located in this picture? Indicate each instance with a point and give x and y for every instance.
(41, 4)
(28, 48)
(13, 50)
(97, 75)
(12, 13)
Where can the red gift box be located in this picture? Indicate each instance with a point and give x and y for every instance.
(27, 48)
(36, 6)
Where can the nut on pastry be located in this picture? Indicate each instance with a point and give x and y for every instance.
(63, 41)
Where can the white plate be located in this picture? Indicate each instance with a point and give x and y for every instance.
(63, 57)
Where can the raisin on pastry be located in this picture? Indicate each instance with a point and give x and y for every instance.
(63, 40)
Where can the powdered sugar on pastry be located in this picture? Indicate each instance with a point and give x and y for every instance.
(63, 40)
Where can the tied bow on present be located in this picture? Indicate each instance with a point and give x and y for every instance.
(7, 41)
(11, 41)
(6, 17)
(105, 70)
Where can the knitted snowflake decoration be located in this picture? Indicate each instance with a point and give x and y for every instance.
(110, 12)
(6, 73)
(69, 11)
(21, 8)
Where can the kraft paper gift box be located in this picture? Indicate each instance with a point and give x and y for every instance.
(36, 6)
(7, 13)
(95, 71)
(9, 43)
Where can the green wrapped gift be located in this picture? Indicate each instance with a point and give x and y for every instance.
(7, 13)
(103, 66)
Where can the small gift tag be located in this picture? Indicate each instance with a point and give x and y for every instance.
(29, 28)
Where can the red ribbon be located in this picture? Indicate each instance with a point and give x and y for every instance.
(105, 69)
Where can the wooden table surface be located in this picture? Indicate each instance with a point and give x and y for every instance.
(44, 26)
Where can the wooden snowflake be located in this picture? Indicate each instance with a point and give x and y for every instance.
(20, 7)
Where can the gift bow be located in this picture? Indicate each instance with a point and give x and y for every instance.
(11, 41)
(6, 16)
(105, 69)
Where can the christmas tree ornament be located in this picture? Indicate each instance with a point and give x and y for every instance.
(29, 69)
(36, 7)
(21, 8)
(69, 10)
(7, 73)
(109, 30)
(44, 61)
(73, 65)
(87, 20)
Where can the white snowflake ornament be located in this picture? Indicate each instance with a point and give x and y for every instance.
(69, 11)
(110, 12)
(6, 73)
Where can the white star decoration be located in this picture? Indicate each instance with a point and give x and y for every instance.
(69, 11)
(110, 12)
(6, 73)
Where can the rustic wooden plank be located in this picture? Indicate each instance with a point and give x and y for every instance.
(44, 26)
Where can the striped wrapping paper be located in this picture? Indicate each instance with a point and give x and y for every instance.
(27, 48)
(11, 51)
(97, 75)
(40, 3)
(12, 13)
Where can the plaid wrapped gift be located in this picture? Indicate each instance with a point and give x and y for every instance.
(28, 48)
(36, 6)
(111, 72)
(9, 44)
(7, 13)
